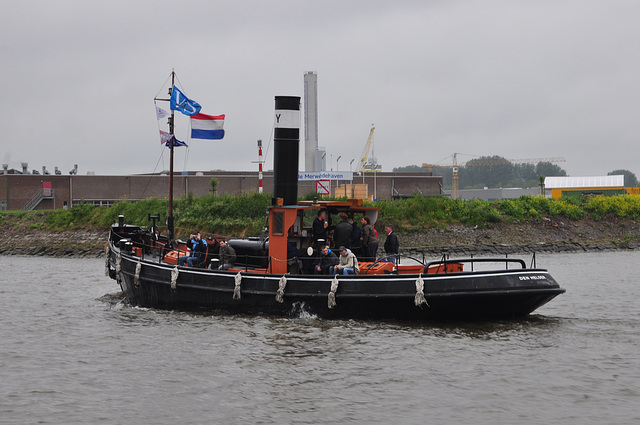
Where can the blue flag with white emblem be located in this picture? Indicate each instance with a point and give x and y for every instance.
(180, 102)
(176, 143)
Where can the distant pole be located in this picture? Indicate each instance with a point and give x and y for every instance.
(352, 183)
(337, 171)
(259, 166)
(375, 185)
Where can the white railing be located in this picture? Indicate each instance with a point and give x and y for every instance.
(37, 198)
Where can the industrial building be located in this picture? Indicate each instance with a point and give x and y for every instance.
(496, 194)
(36, 191)
(557, 187)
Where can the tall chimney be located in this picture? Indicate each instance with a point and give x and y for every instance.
(286, 141)
(5, 169)
(25, 165)
(310, 121)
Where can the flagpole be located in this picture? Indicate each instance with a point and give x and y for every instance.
(178, 100)
(170, 223)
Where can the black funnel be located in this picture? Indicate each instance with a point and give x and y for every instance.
(286, 141)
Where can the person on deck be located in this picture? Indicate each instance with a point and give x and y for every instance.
(319, 228)
(227, 256)
(343, 231)
(369, 240)
(198, 250)
(391, 245)
(348, 263)
(327, 260)
(356, 238)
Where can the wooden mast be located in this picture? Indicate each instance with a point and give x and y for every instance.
(170, 221)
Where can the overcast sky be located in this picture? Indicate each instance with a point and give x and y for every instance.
(519, 79)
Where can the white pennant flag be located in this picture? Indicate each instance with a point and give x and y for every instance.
(161, 113)
(165, 137)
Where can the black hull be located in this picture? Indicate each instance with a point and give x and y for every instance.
(466, 295)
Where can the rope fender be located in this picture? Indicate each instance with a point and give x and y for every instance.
(136, 277)
(420, 299)
(174, 277)
(331, 302)
(118, 267)
(106, 260)
(236, 289)
(280, 292)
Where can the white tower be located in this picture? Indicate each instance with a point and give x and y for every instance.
(312, 156)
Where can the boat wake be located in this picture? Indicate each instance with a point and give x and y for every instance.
(116, 301)
(299, 311)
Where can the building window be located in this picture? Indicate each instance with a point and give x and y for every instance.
(96, 202)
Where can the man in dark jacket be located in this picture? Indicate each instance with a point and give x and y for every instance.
(343, 231)
(319, 227)
(356, 238)
(369, 240)
(391, 245)
(327, 260)
(227, 256)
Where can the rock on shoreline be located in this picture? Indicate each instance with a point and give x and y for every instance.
(545, 235)
(78, 243)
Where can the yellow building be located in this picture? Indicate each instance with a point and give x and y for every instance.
(558, 187)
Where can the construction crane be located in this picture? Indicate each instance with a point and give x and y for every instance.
(478, 163)
(368, 163)
(454, 179)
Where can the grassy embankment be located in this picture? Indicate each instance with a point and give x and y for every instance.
(245, 214)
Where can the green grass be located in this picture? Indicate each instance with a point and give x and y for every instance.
(243, 215)
(237, 215)
(419, 213)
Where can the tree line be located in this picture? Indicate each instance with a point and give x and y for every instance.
(496, 171)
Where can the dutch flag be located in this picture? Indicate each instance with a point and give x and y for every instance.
(207, 127)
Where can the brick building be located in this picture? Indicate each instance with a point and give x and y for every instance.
(38, 191)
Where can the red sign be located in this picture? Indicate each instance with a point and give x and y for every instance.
(323, 187)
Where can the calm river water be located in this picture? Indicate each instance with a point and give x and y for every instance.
(70, 353)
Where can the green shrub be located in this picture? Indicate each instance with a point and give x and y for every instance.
(79, 216)
(621, 206)
(235, 215)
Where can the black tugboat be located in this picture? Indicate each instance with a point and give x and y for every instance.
(266, 279)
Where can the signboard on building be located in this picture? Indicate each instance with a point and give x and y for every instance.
(325, 175)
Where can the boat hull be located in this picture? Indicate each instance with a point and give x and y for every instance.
(470, 295)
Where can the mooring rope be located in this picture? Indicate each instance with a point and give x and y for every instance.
(280, 292)
(174, 277)
(136, 277)
(332, 293)
(420, 299)
(236, 289)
